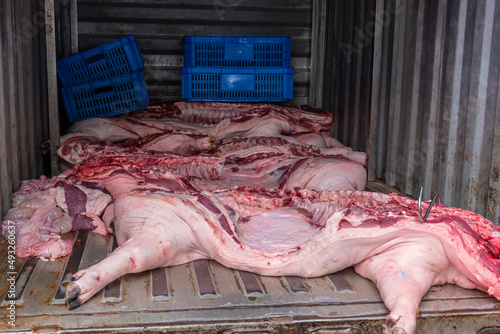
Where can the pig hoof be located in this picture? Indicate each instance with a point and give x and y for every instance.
(212, 145)
(314, 149)
(398, 330)
(389, 326)
(72, 294)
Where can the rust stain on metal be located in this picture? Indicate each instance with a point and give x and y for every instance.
(111, 302)
(264, 288)
(237, 281)
(46, 329)
(169, 278)
(280, 318)
(49, 17)
(37, 292)
(494, 195)
(212, 271)
(191, 278)
(284, 284)
(495, 174)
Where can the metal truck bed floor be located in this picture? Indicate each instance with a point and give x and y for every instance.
(204, 296)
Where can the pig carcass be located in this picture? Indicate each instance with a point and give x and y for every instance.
(302, 233)
(308, 118)
(266, 162)
(190, 127)
(222, 120)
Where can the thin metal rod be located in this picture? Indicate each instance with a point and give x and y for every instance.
(430, 206)
(420, 205)
(436, 197)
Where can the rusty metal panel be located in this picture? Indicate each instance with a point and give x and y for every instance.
(346, 90)
(52, 88)
(161, 25)
(22, 91)
(436, 106)
(493, 210)
(318, 47)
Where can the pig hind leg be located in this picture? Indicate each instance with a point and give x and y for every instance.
(134, 256)
(403, 275)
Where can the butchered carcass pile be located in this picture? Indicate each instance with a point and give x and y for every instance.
(260, 188)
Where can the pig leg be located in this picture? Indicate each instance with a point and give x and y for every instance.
(403, 274)
(135, 255)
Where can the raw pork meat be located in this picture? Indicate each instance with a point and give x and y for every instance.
(302, 233)
(189, 128)
(214, 112)
(265, 162)
(78, 148)
(46, 209)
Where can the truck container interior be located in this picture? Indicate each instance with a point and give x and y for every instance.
(414, 84)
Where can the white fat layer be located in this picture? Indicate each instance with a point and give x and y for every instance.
(278, 230)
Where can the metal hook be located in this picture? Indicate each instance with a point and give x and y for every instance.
(436, 196)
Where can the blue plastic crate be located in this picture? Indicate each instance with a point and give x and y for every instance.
(236, 51)
(116, 58)
(237, 84)
(106, 97)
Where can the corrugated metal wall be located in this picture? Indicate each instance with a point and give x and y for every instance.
(160, 26)
(348, 68)
(23, 105)
(435, 107)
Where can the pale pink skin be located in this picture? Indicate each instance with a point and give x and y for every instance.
(330, 145)
(316, 173)
(403, 274)
(328, 174)
(287, 127)
(183, 144)
(320, 139)
(403, 259)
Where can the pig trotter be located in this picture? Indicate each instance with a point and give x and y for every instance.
(314, 148)
(398, 330)
(388, 327)
(212, 144)
(72, 296)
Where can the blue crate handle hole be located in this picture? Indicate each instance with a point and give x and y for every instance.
(107, 90)
(95, 58)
